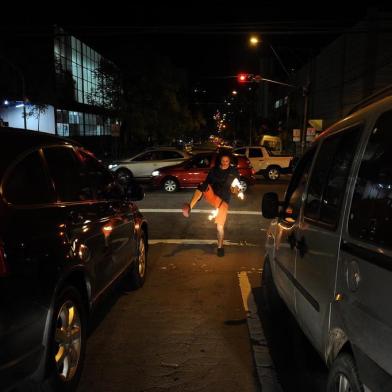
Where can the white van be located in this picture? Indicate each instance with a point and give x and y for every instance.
(329, 249)
(273, 143)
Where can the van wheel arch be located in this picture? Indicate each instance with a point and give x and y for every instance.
(337, 343)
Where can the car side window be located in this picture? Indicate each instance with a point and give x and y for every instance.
(297, 186)
(255, 153)
(201, 162)
(371, 208)
(28, 182)
(147, 156)
(240, 151)
(329, 176)
(102, 181)
(69, 177)
(168, 155)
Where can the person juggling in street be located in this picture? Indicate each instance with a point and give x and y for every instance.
(222, 181)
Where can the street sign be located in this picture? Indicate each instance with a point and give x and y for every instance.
(317, 124)
(296, 135)
(310, 134)
(115, 129)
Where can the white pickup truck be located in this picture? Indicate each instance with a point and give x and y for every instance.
(265, 162)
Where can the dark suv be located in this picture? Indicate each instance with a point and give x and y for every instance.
(68, 231)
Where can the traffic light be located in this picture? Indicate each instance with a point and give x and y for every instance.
(245, 78)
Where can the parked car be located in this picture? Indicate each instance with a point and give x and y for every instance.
(265, 162)
(329, 249)
(68, 231)
(142, 165)
(192, 172)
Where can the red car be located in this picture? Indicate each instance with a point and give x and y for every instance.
(190, 173)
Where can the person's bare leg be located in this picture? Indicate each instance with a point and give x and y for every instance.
(195, 198)
(221, 232)
(186, 209)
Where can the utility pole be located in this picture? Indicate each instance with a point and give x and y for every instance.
(305, 90)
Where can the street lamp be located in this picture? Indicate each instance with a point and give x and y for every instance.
(234, 92)
(254, 40)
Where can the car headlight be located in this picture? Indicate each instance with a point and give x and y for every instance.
(155, 173)
(111, 167)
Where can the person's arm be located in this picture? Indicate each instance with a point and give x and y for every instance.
(235, 184)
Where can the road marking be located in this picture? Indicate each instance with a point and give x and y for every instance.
(264, 364)
(171, 210)
(186, 241)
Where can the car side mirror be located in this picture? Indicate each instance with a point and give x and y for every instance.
(270, 205)
(134, 192)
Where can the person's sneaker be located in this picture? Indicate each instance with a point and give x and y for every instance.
(220, 252)
(186, 210)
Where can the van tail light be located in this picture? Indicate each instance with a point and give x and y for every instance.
(3, 263)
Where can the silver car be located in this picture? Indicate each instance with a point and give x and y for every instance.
(329, 248)
(142, 165)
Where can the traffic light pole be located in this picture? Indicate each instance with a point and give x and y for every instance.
(250, 78)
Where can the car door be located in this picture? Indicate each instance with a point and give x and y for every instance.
(84, 222)
(143, 164)
(255, 155)
(115, 211)
(198, 168)
(318, 235)
(285, 249)
(365, 268)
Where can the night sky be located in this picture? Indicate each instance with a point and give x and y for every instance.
(209, 39)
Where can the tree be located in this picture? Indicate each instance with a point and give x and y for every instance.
(36, 110)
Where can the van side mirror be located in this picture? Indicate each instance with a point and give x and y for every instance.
(270, 205)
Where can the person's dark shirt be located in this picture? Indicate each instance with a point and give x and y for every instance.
(221, 180)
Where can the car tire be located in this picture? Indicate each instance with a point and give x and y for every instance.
(243, 185)
(170, 185)
(273, 304)
(273, 173)
(67, 342)
(137, 274)
(124, 175)
(343, 375)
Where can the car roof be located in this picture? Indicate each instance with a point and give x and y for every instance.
(359, 116)
(14, 142)
(14, 138)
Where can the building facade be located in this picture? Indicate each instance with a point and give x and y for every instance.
(351, 68)
(51, 81)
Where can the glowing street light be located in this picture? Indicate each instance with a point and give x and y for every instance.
(254, 40)
(234, 92)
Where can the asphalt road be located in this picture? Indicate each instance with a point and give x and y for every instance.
(198, 323)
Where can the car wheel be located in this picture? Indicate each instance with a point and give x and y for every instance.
(170, 185)
(243, 185)
(139, 267)
(273, 173)
(67, 342)
(272, 301)
(124, 175)
(343, 375)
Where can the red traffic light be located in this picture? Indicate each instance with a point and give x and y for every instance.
(244, 78)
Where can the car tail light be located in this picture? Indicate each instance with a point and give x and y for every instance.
(3, 262)
(253, 171)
